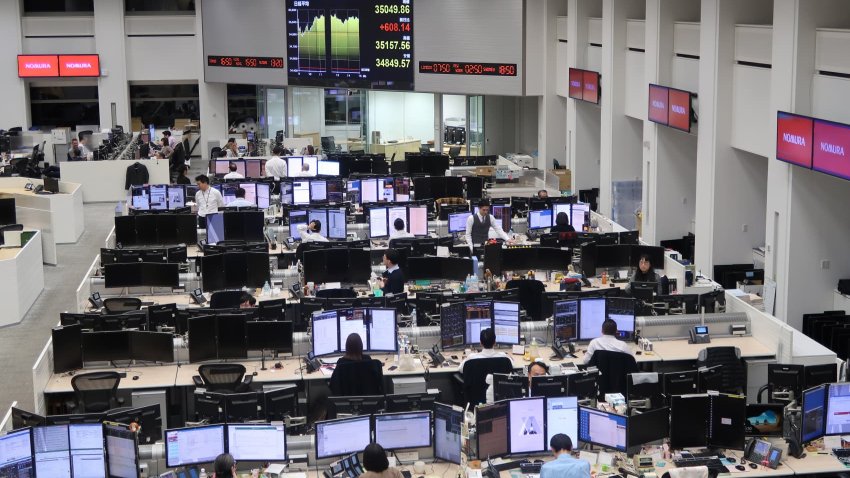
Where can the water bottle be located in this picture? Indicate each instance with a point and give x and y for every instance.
(203, 473)
(267, 290)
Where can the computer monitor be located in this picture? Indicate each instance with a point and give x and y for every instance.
(263, 195)
(727, 420)
(540, 219)
(689, 417)
(452, 325)
(257, 442)
(242, 407)
(819, 374)
(457, 222)
(765, 419)
(325, 333)
(342, 437)
(158, 197)
(814, 413)
(51, 446)
(565, 320)
(318, 191)
(680, 383)
(280, 402)
(397, 431)
(448, 423)
(549, 386)
(492, 426)
(269, 335)
(562, 417)
(508, 386)
(301, 192)
(786, 379)
(838, 409)
(87, 451)
(67, 348)
(328, 168)
(215, 228)
(148, 418)
(7, 211)
(16, 458)
(604, 429)
(583, 385)
(648, 427)
(193, 446)
(24, 419)
(336, 226)
(591, 316)
(140, 198)
(296, 217)
(506, 322)
(622, 311)
(417, 223)
(122, 451)
(382, 330)
(578, 215)
(410, 402)
(643, 290)
(479, 316)
(378, 222)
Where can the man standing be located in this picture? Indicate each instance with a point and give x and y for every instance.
(479, 225)
(207, 199)
(393, 277)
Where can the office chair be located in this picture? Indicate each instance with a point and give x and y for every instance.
(119, 305)
(530, 291)
(9, 227)
(223, 377)
(357, 378)
(644, 391)
(225, 299)
(732, 372)
(613, 367)
(474, 379)
(454, 151)
(424, 149)
(214, 152)
(336, 294)
(96, 392)
(328, 143)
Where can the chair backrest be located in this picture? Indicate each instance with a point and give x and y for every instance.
(117, 305)
(357, 378)
(475, 375)
(214, 152)
(644, 385)
(96, 391)
(221, 376)
(530, 291)
(336, 293)
(613, 367)
(225, 299)
(733, 373)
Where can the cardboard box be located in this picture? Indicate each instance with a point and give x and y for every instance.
(565, 178)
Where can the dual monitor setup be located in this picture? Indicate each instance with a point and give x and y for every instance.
(76, 451)
(826, 411)
(272, 405)
(581, 319)
(333, 222)
(255, 168)
(377, 328)
(245, 442)
(461, 323)
(546, 218)
(382, 220)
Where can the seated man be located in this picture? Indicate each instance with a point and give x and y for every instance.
(564, 465)
(607, 341)
(488, 341)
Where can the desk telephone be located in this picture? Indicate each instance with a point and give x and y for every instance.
(437, 358)
(563, 350)
(95, 300)
(699, 335)
(761, 452)
(311, 363)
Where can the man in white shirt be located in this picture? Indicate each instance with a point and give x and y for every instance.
(172, 141)
(481, 223)
(207, 199)
(233, 174)
(305, 170)
(398, 229)
(607, 341)
(276, 166)
(240, 200)
(488, 341)
(312, 232)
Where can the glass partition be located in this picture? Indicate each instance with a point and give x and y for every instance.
(399, 122)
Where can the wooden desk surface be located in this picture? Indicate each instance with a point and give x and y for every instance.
(155, 376)
(388, 361)
(674, 350)
(815, 463)
(9, 253)
(289, 372)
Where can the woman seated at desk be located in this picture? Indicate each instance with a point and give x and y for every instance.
(353, 351)
(376, 463)
(562, 223)
(645, 272)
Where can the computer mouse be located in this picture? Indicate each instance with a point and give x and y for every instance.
(740, 467)
(743, 461)
(135, 377)
(254, 374)
(753, 466)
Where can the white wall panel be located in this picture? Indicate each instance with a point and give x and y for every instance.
(685, 75)
(562, 28)
(754, 43)
(686, 38)
(637, 87)
(594, 30)
(832, 48)
(64, 45)
(159, 25)
(750, 121)
(562, 87)
(635, 34)
(146, 63)
(831, 98)
(594, 61)
(57, 26)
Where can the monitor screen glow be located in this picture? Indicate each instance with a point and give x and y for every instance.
(658, 104)
(831, 149)
(794, 139)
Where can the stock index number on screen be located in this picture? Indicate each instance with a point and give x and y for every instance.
(364, 44)
(469, 69)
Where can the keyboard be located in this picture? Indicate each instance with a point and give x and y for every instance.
(841, 452)
(712, 463)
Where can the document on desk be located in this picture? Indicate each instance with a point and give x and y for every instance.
(327, 370)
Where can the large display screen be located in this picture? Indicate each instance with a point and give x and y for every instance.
(576, 83)
(366, 44)
(468, 69)
(658, 112)
(590, 86)
(38, 66)
(680, 110)
(794, 139)
(831, 147)
(79, 65)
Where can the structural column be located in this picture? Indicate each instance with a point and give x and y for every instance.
(15, 94)
(212, 97)
(112, 88)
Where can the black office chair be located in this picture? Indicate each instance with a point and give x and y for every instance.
(530, 291)
(647, 394)
(424, 149)
(96, 392)
(353, 379)
(226, 299)
(733, 372)
(454, 151)
(474, 379)
(328, 143)
(214, 152)
(336, 294)
(223, 377)
(119, 305)
(613, 367)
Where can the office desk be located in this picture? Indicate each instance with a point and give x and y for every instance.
(398, 149)
(289, 372)
(23, 279)
(676, 350)
(815, 463)
(156, 376)
(387, 360)
(103, 181)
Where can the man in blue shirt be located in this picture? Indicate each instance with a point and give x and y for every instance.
(564, 465)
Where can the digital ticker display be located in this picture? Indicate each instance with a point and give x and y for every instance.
(367, 44)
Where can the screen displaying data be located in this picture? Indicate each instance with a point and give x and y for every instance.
(191, 446)
(301, 192)
(296, 218)
(447, 433)
(139, 198)
(342, 437)
(87, 459)
(527, 431)
(814, 414)
(838, 409)
(478, 318)
(318, 191)
(565, 319)
(52, 451)
(592, 316)
(418, 221)
(506, 321)
(457, 221)
(378, 222)
(540, 219)
(382, 330)
(176, 197)
(320, 215)
(602, 428)
(492, 426)
(394, 213)
(622, 311)
(562, 417)
(369, 190)
(250, 192)
(16, 454)
(579, 213)
(403, 430)
(352, 321)
(328, 168)
(325, 333)
(159, 197)
(259, 442)
(122, 451)
(336, 224)
(263, 196)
